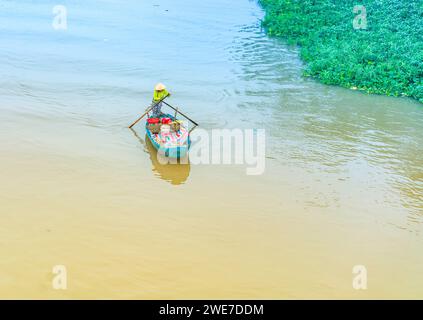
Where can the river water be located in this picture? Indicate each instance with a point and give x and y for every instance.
(343, 184)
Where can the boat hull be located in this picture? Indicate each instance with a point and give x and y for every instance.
(170, 152)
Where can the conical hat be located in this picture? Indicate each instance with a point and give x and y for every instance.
(160, 87)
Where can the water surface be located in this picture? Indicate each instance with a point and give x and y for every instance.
(343, 184)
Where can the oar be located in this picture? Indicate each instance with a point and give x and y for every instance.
(180, 113)
(147, 111)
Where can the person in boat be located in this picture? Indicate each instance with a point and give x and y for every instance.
(159, 93)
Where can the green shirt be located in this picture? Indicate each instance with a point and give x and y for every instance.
(159, 95)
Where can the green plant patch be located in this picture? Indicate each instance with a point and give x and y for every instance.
(385, 56)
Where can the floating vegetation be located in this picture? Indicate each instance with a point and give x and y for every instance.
(374, 45)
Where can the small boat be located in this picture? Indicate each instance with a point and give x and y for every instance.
(172, 144)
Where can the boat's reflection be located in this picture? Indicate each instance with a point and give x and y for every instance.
(176, 174)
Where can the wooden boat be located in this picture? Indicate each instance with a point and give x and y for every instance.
(173, 145)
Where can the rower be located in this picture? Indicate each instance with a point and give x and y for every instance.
(159, 93)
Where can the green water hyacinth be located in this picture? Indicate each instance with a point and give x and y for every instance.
(383, 57)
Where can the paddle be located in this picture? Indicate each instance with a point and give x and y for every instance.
(180, 113)
(147, 111)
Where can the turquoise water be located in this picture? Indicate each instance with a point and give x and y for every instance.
(340, 165)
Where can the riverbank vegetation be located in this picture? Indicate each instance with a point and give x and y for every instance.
(384, 57)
